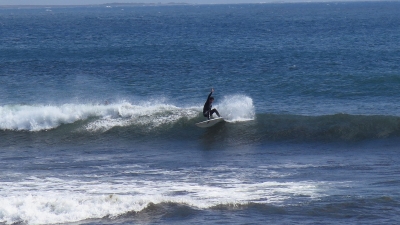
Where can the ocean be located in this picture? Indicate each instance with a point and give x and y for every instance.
(98, 106)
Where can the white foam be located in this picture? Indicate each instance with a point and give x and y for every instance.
(35, 200)
(150, 116)
(44, 117)
(236, 108)
(53, 200)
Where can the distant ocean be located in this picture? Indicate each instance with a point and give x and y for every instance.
(98, 106)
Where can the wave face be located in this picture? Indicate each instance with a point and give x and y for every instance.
(328, 127)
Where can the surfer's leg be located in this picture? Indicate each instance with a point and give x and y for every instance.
(215, 111)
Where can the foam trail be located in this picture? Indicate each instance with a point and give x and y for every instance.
(151, 116)
(236, 108)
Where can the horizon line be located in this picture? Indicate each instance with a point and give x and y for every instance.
(185, 3)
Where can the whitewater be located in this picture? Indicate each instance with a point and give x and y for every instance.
(102, 117)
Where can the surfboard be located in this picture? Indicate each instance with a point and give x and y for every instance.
(209, 123)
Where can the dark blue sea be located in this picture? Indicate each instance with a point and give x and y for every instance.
(98, 106)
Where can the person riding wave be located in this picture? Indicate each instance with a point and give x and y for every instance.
(207, 109)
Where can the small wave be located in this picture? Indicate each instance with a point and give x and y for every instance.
(89, 200)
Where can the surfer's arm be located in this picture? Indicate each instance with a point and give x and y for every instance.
(209, 95)
(212, 90)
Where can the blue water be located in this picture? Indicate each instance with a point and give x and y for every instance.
(98, 106)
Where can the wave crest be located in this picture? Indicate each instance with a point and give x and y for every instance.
(45, 117)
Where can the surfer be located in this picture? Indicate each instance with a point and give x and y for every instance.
(207, 111)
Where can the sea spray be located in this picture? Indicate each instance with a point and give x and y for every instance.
(44, 117)
(235, 108)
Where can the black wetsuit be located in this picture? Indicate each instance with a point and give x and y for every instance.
(207, 111)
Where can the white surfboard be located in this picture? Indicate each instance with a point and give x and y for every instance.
(209, 123)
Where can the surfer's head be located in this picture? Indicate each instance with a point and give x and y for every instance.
(211, 99)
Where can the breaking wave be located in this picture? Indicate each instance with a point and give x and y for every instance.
(162, 119)
(102, 117)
